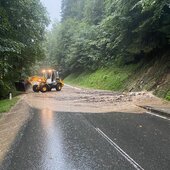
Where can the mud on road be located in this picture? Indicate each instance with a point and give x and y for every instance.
(87, 100)
(71, 100)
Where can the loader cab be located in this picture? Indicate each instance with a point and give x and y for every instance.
(50, 76)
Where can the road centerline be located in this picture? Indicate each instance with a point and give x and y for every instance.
(123, 153)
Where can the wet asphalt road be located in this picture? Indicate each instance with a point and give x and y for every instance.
(80, 141)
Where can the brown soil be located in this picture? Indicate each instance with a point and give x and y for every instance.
(72, 99)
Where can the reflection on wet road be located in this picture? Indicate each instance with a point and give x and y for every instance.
(61, 141)
(69, 141)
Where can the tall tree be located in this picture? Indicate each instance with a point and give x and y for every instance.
(21, 36)
(94, 33)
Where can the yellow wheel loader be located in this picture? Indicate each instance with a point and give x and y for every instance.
(48, 81)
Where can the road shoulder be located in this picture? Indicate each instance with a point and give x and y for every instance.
(159, 110)
(12, 125)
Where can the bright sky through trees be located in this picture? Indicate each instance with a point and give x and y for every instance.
(53, 7)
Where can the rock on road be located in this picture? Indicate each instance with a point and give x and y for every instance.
(81, 130)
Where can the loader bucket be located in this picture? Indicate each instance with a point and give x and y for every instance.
(20, 86)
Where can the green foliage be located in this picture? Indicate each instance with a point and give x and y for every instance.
(168, 96)
(72, 9)
(4, 89)
(93, 11)
(5, 105)
(112, 78)
(96, 33)
(21, 37)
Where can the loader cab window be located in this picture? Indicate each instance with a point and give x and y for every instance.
(48, 75)
(53, 76)
(57, 74)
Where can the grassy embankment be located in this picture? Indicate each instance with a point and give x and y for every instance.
(153, 76)
(5, 105)
(168, 96)
(112, 78)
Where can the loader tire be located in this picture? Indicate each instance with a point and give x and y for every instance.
(35, 88)
(58, 87)
(44, 88)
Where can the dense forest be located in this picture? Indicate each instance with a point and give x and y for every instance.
(113, 44)
(22, 33)
(92, 34)
(95, 33)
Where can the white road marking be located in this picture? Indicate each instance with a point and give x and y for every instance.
(154, 114)
(73, 87)
(123, 153)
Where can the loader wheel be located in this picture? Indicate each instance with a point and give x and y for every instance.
(44, 88)
(35, 88)
(58, 87)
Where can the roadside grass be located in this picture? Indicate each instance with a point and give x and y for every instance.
(6, 104)
(168, 96)
(112, 78)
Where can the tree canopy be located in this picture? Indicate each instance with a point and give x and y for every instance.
(96, 33)
(22, 28)
(91, 34)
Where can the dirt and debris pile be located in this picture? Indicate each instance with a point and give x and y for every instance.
(152, 76)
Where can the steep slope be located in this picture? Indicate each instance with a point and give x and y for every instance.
(153, 75)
